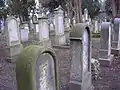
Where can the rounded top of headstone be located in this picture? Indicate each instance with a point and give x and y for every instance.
(59, 9)
(78, 30)
(11, 17)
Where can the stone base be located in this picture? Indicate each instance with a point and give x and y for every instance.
(116, 52)
(106, 62)
(46, 43)
(60, 40)
(13, 52)
(84, 85)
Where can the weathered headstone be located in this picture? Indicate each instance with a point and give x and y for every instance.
(80, 45)
(86, 15)
(96, 29)
(116, 37)
(37, 69)
(44, 31)
(36, 26)
(105, 56)
(59, 25)
(24, 35)
(67, 24)
(24, 32)
(13, 38)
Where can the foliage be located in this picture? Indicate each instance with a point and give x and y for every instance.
(108, 7)
(93, 7)
(20, 8)
(3, 9)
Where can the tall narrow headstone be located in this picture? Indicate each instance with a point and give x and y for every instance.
(24, 32)
(59, 22)
(13, 38)
(105, 56)
(80, 45)
(96, 29)
(44, 31)
(37, 69)
(36, 26)
(59, 27)
(86, 15)
(116, 37)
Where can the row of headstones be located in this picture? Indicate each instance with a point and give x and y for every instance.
(42, 27)
(110, 42)
(13, 34)
(37, 66)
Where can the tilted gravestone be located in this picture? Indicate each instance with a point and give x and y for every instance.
(13, 38)
(80, 45)
(105, 56)
(37, 69)
(116, 37)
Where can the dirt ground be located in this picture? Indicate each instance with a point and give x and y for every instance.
(109, 77)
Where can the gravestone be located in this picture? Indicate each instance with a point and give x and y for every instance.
(44, 31)
(96, 29)
(105, 56)
(13, 39)
(86, 15)
(24, 32)
(60, 38)
(36, 26)
(24, 35)
(66, 23)
(116, 37)
(59, 25)
(80, 46)
(37, 69)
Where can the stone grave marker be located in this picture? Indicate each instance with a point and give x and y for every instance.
(116, 37)
(96, 28)
(105, 56)
(60, 38)
(36, 26)
(37, 69)
(86, 15)
(80, 45)
(24, 32)
(13, 38)
(44, 31)
(59, 23)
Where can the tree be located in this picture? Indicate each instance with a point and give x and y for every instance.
(108, 7)
(93, 7)
(20, 8)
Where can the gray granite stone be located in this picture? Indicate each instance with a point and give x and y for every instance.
(105, 41)
(80, 46)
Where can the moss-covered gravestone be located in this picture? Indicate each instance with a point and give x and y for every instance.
(80, 44)
(36, 69)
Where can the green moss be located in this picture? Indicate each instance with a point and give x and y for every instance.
(25, 65)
